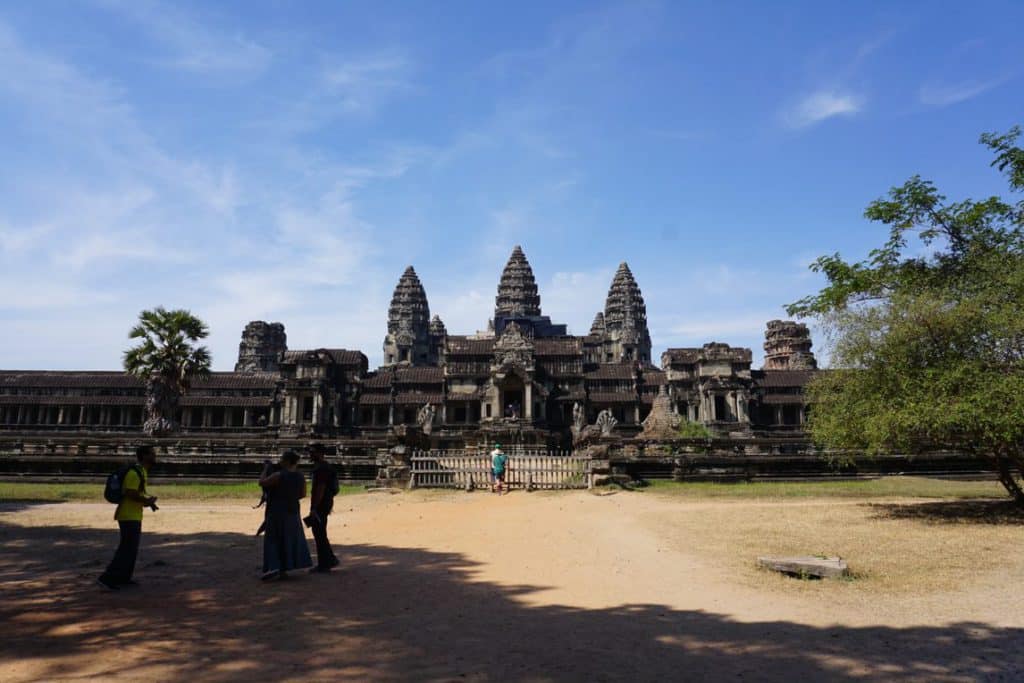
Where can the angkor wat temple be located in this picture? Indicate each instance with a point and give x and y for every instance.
(525, 378)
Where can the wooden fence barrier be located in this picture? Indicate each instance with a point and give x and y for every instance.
(528, 469)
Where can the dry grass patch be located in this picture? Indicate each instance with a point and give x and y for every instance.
(891, 550)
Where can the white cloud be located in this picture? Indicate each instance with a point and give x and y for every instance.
(822, 105)
(360, 85)
(945, 94)
(193, 45)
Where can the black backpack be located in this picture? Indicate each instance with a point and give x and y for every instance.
(114, 490)
(333, 486)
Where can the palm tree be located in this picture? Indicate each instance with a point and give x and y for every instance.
(166, 359)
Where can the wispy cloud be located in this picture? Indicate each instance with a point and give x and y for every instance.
(361, 84)
(192, 45)
(821, 105)
(945, 94)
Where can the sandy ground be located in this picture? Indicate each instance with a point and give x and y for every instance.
(523, 587)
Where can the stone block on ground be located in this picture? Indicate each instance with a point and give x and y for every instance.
(806, 566)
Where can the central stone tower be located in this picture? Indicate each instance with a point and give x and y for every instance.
(409, 335)
(518, 300)
(626, 337)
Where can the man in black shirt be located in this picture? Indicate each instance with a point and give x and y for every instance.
(321, 502)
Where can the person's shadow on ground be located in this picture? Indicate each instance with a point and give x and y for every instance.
(398, 613)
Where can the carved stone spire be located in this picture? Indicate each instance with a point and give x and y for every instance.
(517, 290)
(787, 346)
(625, 319)
(261, 347)
(437, 328)
(408, 337)
(597, 328)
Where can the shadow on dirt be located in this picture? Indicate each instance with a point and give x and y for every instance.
(399, 613)
(954, 512)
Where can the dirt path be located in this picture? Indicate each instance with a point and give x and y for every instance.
(524, 587)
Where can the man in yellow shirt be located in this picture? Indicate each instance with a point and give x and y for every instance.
(129, 519)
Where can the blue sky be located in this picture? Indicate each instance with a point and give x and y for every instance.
(285, 161)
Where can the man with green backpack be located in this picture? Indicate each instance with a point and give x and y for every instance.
(127, 488)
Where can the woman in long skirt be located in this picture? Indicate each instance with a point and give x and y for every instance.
(284, 544)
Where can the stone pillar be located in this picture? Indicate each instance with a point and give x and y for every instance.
(81, 415)
(778, 415)
(206, 417)
(528, 401)
(246, 417)
(60, 415)
(391, 415)
(317, 401)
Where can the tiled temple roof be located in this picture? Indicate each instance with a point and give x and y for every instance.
(188, 400)
(613, 371)
(337, 356)
(375, 399)
(654, 376)
(465, 346)
(227, 401)
(378, 380)
(73, 400)
(558, 346)
(418, 398)
(422, 375)
(787, 399)
(120, 380)
(46, 379)
(612, 397)
(769, 379)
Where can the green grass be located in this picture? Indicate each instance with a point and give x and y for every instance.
(39, 492)
(884, 487)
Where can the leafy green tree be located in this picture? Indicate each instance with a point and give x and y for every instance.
(693, 430)
(167, 358)
(927, 334)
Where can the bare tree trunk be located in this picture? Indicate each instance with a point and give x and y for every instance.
(1011, 471)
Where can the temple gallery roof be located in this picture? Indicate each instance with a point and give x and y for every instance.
(120, 380)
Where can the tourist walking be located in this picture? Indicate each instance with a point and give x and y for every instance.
(284, 543)
(129, 520)
(321, 503)
(499, 465)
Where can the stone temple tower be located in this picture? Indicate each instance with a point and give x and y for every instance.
(517, 290)
(261, 347)
(408, 339)
(518, 300)
(625, 320)
(787, 346)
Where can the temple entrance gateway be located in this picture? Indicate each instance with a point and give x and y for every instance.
(510, 395)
